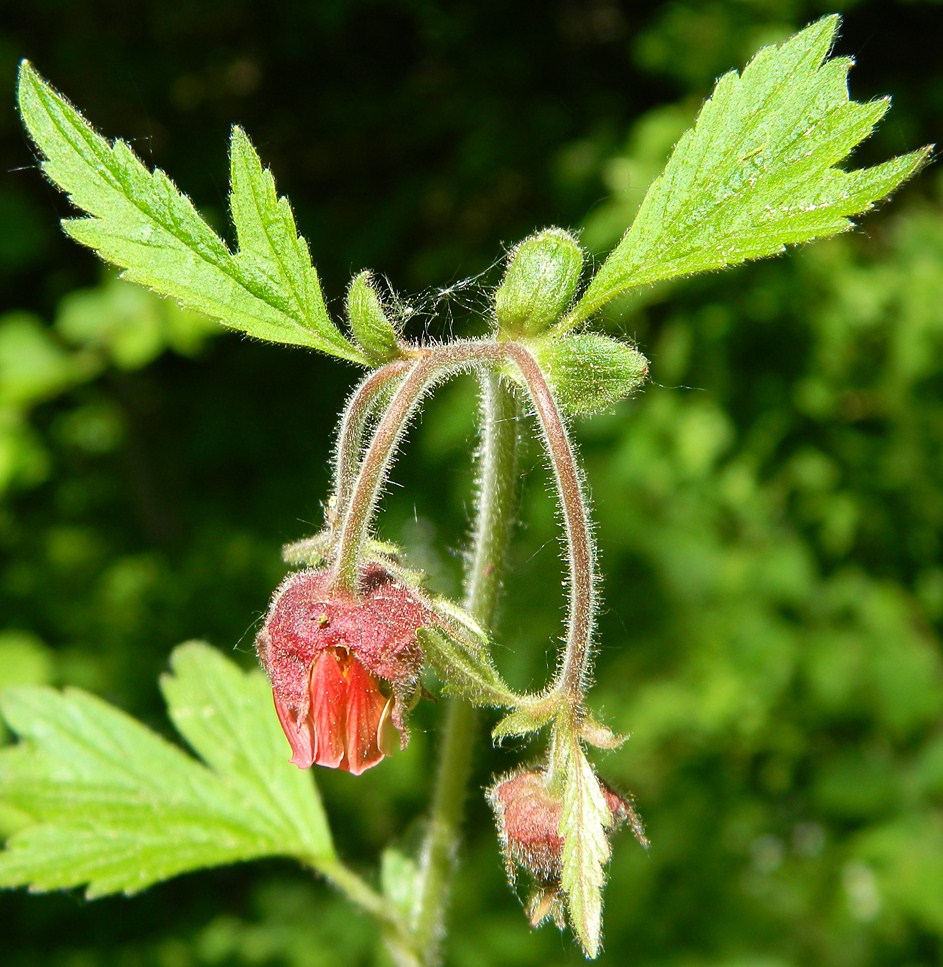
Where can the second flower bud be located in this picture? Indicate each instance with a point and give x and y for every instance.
(539, 284)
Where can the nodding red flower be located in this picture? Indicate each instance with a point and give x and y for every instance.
(343, 666)
(528, 816)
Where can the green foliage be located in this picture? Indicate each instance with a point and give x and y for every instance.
(24, 660)
(114, 806)
(756, 172)
(142, 223)
(465, 667)
(769, 509)
(399, 877)
(96, 332)
(523, 721)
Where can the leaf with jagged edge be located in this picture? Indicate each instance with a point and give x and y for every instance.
(757, 171)
(586, 848)
(142, 223)
(113, 806)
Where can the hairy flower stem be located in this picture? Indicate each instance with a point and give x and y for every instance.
(354, 521)
(573, 673)
(495, 516)
(359, 892)
(496, 512)
(353, 426)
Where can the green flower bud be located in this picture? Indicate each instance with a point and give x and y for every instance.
(539, 283)
(368, 322)
(589, 372)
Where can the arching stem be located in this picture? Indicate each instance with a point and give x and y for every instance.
(355, 518)
(573, 673)
(353, 426)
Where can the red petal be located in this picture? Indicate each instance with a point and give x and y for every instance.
(328, 711)
(365, 707)
(301, 737)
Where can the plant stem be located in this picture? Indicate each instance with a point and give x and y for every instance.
(496, 507)
(365, 490)
(353, 426)
(497, 498)
(356, 889)
(495, 514)
(573, 674)
(354, 520)
(360, 893)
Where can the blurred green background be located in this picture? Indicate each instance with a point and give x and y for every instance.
(770, 509)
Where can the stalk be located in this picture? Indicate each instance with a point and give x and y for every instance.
(573, 674)
(355, 518)
(496, 513)
(353, 428)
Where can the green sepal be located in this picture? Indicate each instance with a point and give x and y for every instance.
(464, 665)
(524, 721)
(583, 824)
(369, 323)
(316, 551)
(601, 736)
(539, 283)
(590, 372)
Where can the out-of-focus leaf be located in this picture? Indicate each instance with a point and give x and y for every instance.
(117, 808)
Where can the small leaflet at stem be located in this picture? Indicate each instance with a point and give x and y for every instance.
(757, 171)
(141, 222)
(531, 717)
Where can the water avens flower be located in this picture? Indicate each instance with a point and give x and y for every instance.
(343, 666)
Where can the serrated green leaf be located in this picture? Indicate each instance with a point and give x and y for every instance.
(141, 222)
(756, 172)
(226, 717)
(586, 849)
(116, 807)
(269, 241)
(590, 372)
